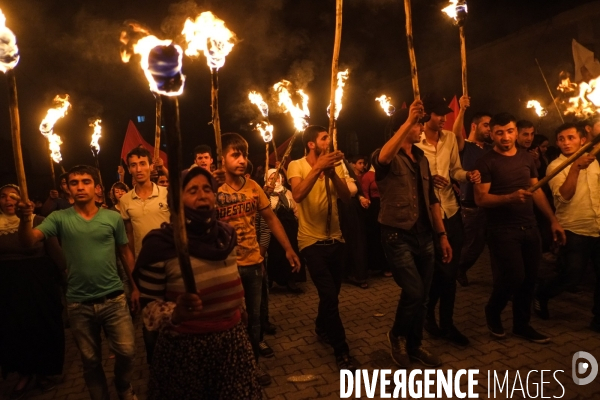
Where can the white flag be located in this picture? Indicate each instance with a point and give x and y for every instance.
(586, 66)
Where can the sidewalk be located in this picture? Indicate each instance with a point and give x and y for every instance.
(297, 351)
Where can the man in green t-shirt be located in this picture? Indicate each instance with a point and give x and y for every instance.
(90, 237)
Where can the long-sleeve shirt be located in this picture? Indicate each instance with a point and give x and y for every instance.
(369, 186)
(580, 214)
(445, 162)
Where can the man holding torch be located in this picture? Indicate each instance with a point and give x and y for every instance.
(513, 238)
(91, 237)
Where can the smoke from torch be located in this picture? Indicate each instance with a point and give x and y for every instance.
(94, 145)
(9, 52)
(386, 105)
(60, 109)
(539, 110)
(342, 77)
(299, 113)
(208, 34)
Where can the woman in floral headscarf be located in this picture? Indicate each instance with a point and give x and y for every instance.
(32, 341)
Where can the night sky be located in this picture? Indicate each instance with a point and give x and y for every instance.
(72, 47)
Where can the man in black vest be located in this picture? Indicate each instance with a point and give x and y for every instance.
(410, 217)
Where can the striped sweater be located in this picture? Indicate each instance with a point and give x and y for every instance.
(218, 283)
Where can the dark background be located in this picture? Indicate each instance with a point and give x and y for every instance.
(72, 47)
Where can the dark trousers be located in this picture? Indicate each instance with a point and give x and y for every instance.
(252, 281)
(375, 253)
(474, 223)
(352, 225)
(515, 257)
(572, 263)
(411, 257)
(443, 284)
(326, 268)
(264, 304)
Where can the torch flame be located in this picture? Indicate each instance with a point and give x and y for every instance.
(539, 110)
(60, 109)
(266, 130)
(587, 98)
(456, 8)
(9, 52)
(257, 100)
(209, 35)
(385, 103)
(96, 136)
(299, 113)
(342, 77)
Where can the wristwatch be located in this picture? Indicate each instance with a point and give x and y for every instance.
(440, 234)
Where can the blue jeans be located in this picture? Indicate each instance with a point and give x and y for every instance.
(112, 317)
(412, 258)
(252, 281)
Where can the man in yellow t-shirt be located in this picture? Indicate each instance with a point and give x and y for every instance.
(319, 236)
(238, 201)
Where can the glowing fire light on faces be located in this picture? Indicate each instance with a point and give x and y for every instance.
(257, 100)
(60, 109)
(9, 52)
(587, 99)
(96, 136)
(539, 110)
(266, 130)
(455, 8)
(209, 35)
(299, 113)
(342, 77)
(385, 103)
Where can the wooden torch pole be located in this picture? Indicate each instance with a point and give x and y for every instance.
(411, 50)
(463, 58)
(267, 163)
(15, 130)
(52, 173)
(173, 134)
(216, 121)
(334, 71)
(157, 126)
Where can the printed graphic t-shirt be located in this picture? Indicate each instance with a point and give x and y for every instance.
(238, 208)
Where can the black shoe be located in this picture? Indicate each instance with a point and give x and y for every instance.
(265, 350)
(263, 377)
(432, 327)
(293, 288)
(453, 335)
(495, 326)
(424, 357)
(540, 307)
(532, 335)
(398, 350)
(322, 335)
(270, 329)
(462, 279)
(344, 361)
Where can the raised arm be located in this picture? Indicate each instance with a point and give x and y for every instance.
(301, 187)
(459, 122)
(392, 146)
(28, 236)
(569, 185)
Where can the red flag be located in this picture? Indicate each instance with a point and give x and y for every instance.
(280, 151)
(450, 118)
(133, 139)
(403, 104)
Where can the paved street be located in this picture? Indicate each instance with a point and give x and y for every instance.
(297, 351)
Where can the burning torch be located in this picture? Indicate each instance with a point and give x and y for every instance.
(161, 61)
(342, 77)
(95, 146)
(257, 99)
(58, 111)
(386, 104)
(264, 128)
(457, 10)
(9, 58)
(208, 34)
(335, 74)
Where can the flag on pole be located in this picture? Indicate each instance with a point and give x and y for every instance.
(586, 66)
(133, 139)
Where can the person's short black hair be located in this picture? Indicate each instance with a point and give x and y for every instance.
(234, 141)
(538, 139)
(84, 169)
(202, 149)
(478, 116)
(140, 152)
(569, 125)
(523, 124)
(502, 119)
(64, 175)
(162, 173)
(249, 167)
(354, 159)
(311, 134)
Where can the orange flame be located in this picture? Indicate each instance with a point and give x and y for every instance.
(9, 52)
(60, 109)
(266, 130)
(299, 113)
(342, 77)
(454, 8)
(208, 34)
(257, 99)
(587, 101)
(385, 103)
(539, 110)
(96, 136)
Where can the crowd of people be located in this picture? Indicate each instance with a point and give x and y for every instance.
(420, 209)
